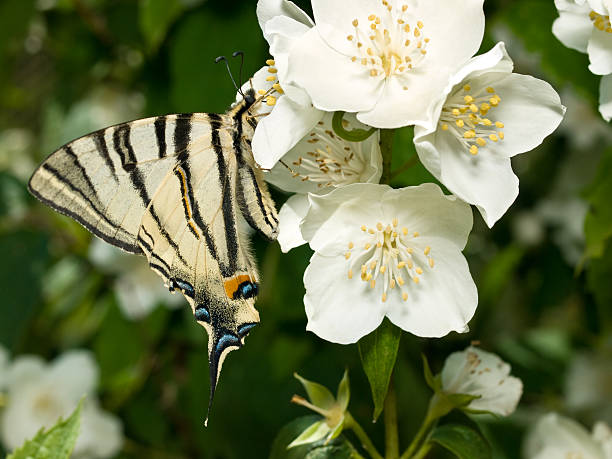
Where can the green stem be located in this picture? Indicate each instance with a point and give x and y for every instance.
(386, 148)
(416, 441)
(390, 411)
(350, 423)
(404, 167)
(422, 452)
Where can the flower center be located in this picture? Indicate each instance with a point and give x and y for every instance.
(275, 91)
(601, 22)
(331, 162)
(388, 46)
(465, 116)
(388, 257)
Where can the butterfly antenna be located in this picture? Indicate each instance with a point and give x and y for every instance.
(241, 54)
(224, 59)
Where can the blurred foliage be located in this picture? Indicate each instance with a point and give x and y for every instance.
(71, 66)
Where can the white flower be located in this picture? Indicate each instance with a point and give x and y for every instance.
(137, 287)
(476, 372)
(558, 437)
(384, 59)
(287, 114)
(486, 115)
(585, 27)
(384, 252)
(320, 162)
(38, 394)
(587, 385)
(605, 97)
(4, 362)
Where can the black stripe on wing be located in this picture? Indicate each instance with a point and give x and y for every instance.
(227, 205)
(133, 248)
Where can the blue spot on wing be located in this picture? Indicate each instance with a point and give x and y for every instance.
(246, 290)
(227, 340)
(202, 314)
(244, 329)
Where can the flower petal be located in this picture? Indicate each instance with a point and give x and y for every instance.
(282, 33)
(268, 9)
(476, 372)
(340, 213)
(339, 309)
(279, 131)
(600, 52)
(289, 219)
(605, 97)
(75, 372)
(334, 20)
(573, 29)
(24, 370)
(399, 107)
(556, 436)
(444, 300)
(495, 60)
(427, 210)
(330, 78)
(441, 19)
(530, 110)
(485, 180)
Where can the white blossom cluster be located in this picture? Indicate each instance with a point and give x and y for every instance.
(36, 394)
(584, 25)
(390, 63)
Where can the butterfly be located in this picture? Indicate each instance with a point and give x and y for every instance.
(179, 189)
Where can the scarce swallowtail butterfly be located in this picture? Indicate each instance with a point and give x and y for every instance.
(176, 189)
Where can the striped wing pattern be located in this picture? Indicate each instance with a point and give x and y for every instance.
(173, 188)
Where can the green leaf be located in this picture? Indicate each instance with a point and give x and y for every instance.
(156, 17)
(340, 448)
(318, 394)
(378, 352)
(56, 443)
(344, 391)
(313, 433)
(429, 377)
(598, 222)
(354, 135)
(464, 442)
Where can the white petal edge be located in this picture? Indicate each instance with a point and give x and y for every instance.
(486, 181)
(605, 97)
(279, 131)
(268, 9)
(330, 78)
(290, 217)
(600, 52)
(339, 310)
(443, 301)
(573, 29)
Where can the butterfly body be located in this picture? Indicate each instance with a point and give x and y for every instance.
(175, 189)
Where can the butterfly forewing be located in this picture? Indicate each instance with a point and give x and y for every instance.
(174, 187)
(105, 180)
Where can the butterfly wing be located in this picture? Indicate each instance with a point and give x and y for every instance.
(105, 180)
(191, 236)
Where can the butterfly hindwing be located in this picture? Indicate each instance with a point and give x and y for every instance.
(207, 257)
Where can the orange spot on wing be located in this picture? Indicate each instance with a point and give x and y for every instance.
(231, 285)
